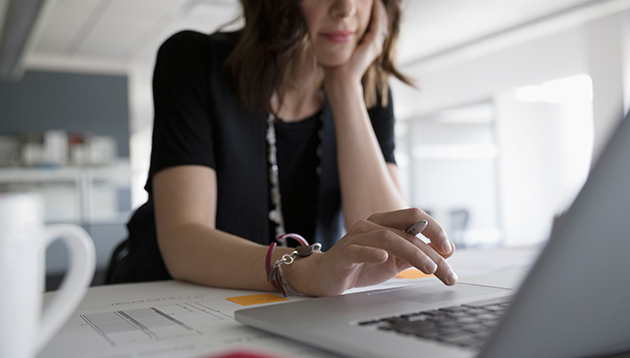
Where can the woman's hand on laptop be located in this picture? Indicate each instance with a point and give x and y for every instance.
(374, 251)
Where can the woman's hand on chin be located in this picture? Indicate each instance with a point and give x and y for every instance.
(366, 52)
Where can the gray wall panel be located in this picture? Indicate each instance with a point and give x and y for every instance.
(86, 103)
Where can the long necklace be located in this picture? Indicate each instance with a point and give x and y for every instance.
(275, 214)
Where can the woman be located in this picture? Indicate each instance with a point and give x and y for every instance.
(276, 128)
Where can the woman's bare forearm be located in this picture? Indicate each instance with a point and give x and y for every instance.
(210, 257)
(367, 185)
(192, 248)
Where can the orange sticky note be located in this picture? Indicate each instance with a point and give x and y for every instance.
(412, 274)
(256, 299)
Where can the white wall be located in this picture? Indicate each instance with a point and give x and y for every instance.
(625, 38)
(599, 48)
(453, 169)
(532, 180)
(605, 50)
(141, 114)
(545, 153)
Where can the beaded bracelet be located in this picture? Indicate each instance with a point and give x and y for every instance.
(275, 276)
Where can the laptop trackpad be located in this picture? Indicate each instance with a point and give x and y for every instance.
(438, 293)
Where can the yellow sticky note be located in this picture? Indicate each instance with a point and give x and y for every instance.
(412, 274)
(256, 299)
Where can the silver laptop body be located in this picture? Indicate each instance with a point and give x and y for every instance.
(574, 302)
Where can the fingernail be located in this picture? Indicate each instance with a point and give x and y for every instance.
(446, 247)
(430, 267)
(452, 278)
(380, 255)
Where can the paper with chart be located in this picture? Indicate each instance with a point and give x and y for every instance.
(163, 319)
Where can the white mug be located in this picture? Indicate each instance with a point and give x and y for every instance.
(25, 327)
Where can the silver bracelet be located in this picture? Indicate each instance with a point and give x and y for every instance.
(276, 276)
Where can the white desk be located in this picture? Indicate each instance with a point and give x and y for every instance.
(175, 319)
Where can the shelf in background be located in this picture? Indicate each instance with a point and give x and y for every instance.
(79, 195)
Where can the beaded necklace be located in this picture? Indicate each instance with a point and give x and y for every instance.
(276, 214)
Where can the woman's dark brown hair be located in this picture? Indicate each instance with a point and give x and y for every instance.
(275, 33)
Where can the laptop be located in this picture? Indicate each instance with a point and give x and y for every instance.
(573, 302)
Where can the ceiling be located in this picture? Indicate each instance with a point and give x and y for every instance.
(434, 26)
(111, 35)
(114, 35)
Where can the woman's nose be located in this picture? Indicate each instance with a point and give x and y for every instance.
(343, 8)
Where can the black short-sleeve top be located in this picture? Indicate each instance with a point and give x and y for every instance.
(199, 121)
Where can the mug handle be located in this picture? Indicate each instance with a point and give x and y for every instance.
(75, 283)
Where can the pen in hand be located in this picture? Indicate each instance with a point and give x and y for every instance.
(417, 228)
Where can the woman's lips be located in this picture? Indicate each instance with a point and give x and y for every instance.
(340, 37)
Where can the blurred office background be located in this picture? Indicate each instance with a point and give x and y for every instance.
(514, 102)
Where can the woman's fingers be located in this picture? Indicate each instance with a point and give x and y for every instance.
(435, 233)
(446, 256)
(368, 242)
(416, 253)
(402, 219)
(443, 271)
(404, 246)
(378, 30)
(378, 22)
(354, 254)
(426, 259)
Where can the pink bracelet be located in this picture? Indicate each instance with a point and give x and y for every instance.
(275, 275)
(273, 245)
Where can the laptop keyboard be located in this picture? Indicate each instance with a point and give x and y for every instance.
(465, 325)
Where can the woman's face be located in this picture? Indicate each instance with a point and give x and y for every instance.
(336, 27)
